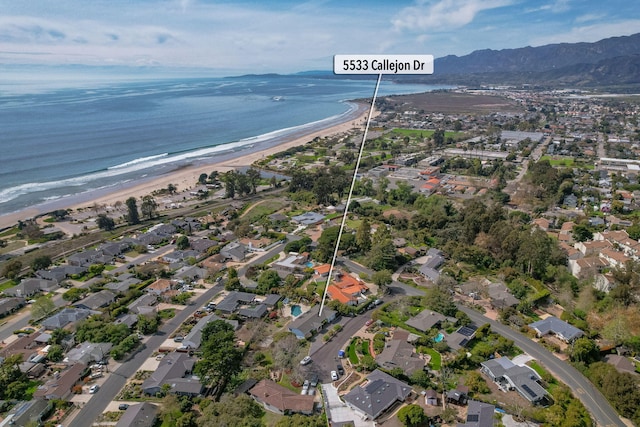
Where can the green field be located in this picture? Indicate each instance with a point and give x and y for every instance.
(569, 162)
(424, 133)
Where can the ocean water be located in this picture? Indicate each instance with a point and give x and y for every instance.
(59, 141)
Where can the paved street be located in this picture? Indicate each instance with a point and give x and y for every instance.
(594, 401)
(116, 380)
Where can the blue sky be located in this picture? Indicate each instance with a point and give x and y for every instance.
(285, 36)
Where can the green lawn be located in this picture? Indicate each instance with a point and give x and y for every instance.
(559, 161)
(436, 359)
(351, 352)
(365, 347)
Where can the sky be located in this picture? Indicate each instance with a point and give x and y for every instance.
(286, 36)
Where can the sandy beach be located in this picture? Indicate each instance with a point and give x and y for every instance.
(187, 177)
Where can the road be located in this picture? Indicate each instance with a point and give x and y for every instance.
(117, 379)
(593, 400)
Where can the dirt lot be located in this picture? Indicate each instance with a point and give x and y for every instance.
(450, 102)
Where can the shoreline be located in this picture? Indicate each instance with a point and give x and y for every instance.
(185, 177)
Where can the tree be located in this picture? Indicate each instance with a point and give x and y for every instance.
(253, 177)
(55, 353)
(41, 262)
(221, 358)
(202, 179)
(381, 278)
(240, 411)
(74, 294)
(582, 233)
(42, 307)
(584, 350)
(12, 269)
(149, 206)
(230, 183)
(182, 242)
(268, 280)
(148, 324)
(412, 415)
(132, 211)
(171, 189)
(363, 236)
(105, 223)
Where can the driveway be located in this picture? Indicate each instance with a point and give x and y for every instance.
(337, 410)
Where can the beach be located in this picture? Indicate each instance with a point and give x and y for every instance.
(187, 177)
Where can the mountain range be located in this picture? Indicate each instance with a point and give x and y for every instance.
(611, 62)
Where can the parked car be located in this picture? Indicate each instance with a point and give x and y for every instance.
(305, 387)
(94, 389)
(178, 338)
(306, 360)
(340, 369)
(369, 322)
(123, 406)
(334, 376)
(314, 381)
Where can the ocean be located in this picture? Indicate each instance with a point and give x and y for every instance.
(58, 141)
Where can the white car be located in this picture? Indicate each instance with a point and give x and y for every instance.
(306, 360)
(94, 389)
(334, 376)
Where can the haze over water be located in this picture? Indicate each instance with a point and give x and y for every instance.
(58, 141)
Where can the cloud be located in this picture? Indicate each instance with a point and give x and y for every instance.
(590, 33)
(442, 14)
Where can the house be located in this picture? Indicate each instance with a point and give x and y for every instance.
(175, 370)
(87, 353)
(142, 414)
(604, 282)
(32, 412)
(193, 339)
(429, 269)
(191, 273)
(67, 316)
(398, 353)
(500, 296)
(583, 268)
(61, 272)
(294, 263)
(234, 300)
(621, 363)
(30, 287)
(308, 218)
(457, 395)
(557, 327)
(461, 337)
(26, 346)
(61, 385)
(542, 223)
(234, 251)
(479, 414)
(144, 304)
(160, 286)
(321, 271)
(97, 300)
(346, 289)
(276, 398)
(10, 305)
(509, 376)
(378, 393)
(426, 320)
(309, 323)
(431, 397)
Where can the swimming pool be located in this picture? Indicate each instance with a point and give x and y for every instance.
(438, 337)
(296, 310)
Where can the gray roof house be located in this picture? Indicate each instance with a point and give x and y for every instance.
(235, 251)
(67, 316)
(233, 300)
(479, 414)
(97, 300)
(9, 305)
(174, 369)
(144, 304)
(308, 218)
(398, 353)
(377, 394)
(500, 295)
(139, 415)
(509, 376)
(309, 323)
(557, 327)
(32, 286)
(426, 320)
(434, 259)
(88, 352)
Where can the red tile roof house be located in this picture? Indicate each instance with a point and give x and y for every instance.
(278, 399)
(347, 289)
